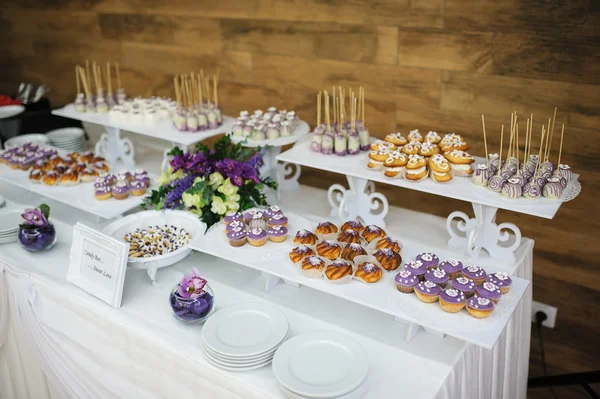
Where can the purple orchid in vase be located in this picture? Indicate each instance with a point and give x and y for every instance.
(37, 233)
(192, 299)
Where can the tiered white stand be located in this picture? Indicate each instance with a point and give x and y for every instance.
(114, 148)
(285, 174)
(468, 234)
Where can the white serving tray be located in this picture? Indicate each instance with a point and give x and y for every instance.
(460, 188)
(384, 297)
(299, 131)
(80, 196)
(164, 130)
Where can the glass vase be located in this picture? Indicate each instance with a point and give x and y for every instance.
(37, 239)
(195, 310)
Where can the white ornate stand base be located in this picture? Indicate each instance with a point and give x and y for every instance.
(272, 281)
(286, 175)
(359, 201)
(114, 148)
(482, 232)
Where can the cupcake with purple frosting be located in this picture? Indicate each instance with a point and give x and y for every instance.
(277, 233)
(475, 273)
(257, 237)
(452, 267)
(272, 211)
(430, 260)
(452, 300)
(437, 275)
(236, 224)
(278, 220)
(237, 237)
(465, 285)
(480, 307)
(406, 281)
(501, 280)
(427, 291)
(232, 216)
(490, 291)
(417, 268)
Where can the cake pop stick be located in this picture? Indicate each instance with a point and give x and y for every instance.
(517, 148)
(177, 97)
(484, 138)
(526, 141)
(562, 131)
(217, 88)
(88, 93)
(364, 121)
(539, 161)
(118, 74)
(547, 141)
(354, 114)
(88, 76)
(199, 85)
(500, 152)
(77, 79)
(319, 109)
(328, 121)
(552, 130)
(108, 79)
(510, 146)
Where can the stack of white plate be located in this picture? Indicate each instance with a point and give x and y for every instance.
(9, 226)
(324, 365)
(69, 138)
(244, 337)
(37, 138)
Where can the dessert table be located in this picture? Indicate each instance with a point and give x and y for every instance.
(57, 341)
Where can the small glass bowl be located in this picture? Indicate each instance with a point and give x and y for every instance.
(192, 310)
(38, 238)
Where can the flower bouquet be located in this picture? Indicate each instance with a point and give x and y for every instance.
(191, 299)
(37, 233)
(210, 183)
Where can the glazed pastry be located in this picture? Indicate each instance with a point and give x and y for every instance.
(88, 175)
(432, 137)
(257, 237)
(501, 280)
(475, 273)
(458, 145)
(512, 189)
(414, 135)
(70, 178)
(429, 149)
(278, 220)
(417, 268)
(329, 249)
(313, 266)
(86, 157)
(137, 188)
(100, 166)
(387, 258)
(479, 307)
(427, 291)
(353, 250)
(338, 269)
(257, 222)
(411, 149)
(396, 139)
(382, 145)
(482, 175)
(490, 291)
(416, 168)
(79, 167)
(460, 161)
(237, 237)
(452, 300)
(60, 169)
(305, 237)
(349, 236)
(406, 281)
(277, 233)
(372, 232)
(50, 178)
(353, 225)
(368, 272)
(232, 216)
(430, 260)
(326, 228)
(377, 158)
(36, 176)
(437, 275)
(388, 242)
(452, 267)
(300, 252)
(395, 164)
(440, 168)
(102, 192)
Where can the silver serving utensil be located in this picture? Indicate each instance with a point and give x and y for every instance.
(21, 91)
(39, 93)
(27, 93)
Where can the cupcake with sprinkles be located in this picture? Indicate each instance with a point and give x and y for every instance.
(429, 259)
(480, 307)
(490, 291)
(475, 273)
(278, 220)
(417, 268)
(452, 267)
(277, 233)
(464, 284)
(501, 280)
(436, 275)
(272, 211)
(406, 281)
(427, 291)
(237, 237)
(452, 300)
(232, 216)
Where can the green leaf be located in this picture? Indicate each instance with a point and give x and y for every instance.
(45, 209)
(175, 151)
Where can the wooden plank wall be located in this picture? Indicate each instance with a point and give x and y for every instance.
(427, 64)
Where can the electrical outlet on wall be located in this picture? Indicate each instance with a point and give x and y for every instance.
(549, 310)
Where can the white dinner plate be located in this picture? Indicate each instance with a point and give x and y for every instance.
(65, 134)
(246, 359)
(248, 368)
(356, 394)
(321, 364)
(10, 221)
(225, 363)
(36, 138)
(245, 329)
(8, 240)
(7, 111)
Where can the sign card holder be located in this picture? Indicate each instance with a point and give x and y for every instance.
(97, 264)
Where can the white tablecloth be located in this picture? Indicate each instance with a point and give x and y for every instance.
(58, 342)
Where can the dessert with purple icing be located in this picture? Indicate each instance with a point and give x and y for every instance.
(257, 237)
(272, 211)
(464, 284)
(430, 260)
(436, 275)
(387, 258)
(237, 237)
(452, 300)
(406, 281)
(452, 267)
(417, 268)
(277, 233)
(480, 307)
(501, 280)
(475, 273)
(232, 216)
(234, 225)
(278, 220)
(427, 291)
(490, 291)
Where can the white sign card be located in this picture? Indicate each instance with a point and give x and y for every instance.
(98, 264)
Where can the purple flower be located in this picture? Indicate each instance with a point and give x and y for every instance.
(250, 173)
(229, 168)
(34, 217)
(191, 285)
(197, 163)
(179, 162)
(178, 187)
(237, 181)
